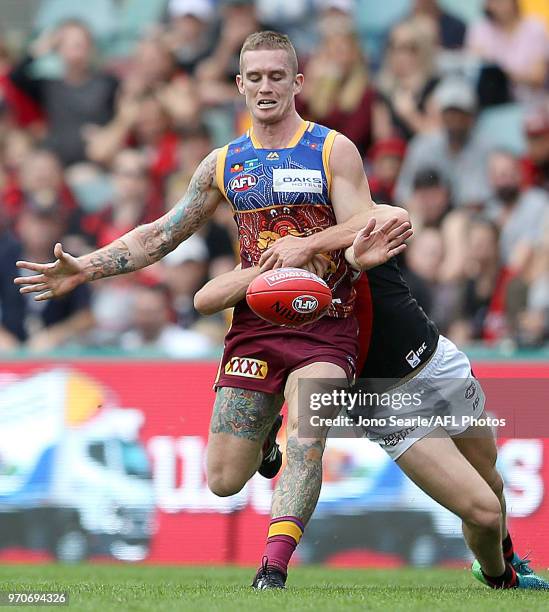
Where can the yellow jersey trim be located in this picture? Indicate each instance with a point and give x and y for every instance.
(293, 141)
(326, 150)
(220, 170)
(243, 212)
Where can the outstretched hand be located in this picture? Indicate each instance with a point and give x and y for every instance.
(53, 279)
(373, 247)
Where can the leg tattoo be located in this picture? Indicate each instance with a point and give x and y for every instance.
(297, 490)
(244, 413)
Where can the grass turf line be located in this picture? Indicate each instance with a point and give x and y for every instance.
(224, 589)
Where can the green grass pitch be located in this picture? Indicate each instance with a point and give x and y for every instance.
(101, 588)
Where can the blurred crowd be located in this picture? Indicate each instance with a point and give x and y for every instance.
(105, 113)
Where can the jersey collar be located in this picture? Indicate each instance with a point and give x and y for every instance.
(293, 142)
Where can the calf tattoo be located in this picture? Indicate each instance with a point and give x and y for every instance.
(297, 490)
(244, 413)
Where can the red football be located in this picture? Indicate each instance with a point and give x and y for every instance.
(289, 296)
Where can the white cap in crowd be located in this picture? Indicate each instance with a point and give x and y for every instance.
(201, 9)
(456, 93)
(192, 249)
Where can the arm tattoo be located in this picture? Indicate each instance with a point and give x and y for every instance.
(297, 490)
(164, 234)
(244, 413)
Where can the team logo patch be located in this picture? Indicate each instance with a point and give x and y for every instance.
(413, 359)
(243, 182)
(312, 145)
(250, 164)
(293, 180)
(247, 367)
(236, 168)
(273, 156)
(470, 391)
(305, 304)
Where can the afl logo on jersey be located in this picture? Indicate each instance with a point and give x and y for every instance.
(243, 183)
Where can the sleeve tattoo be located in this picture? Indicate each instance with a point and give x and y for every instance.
(149, 243)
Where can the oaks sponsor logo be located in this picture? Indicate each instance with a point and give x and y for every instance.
(247, 367)
(294, 180)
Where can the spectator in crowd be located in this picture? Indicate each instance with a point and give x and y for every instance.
(132, 202)
(533, 321)
(12, 330)
(184, 271)
(22, 109)
(385, 158)
(147, 126)
(54, 323)
(153, 69)
(455, 151)
(519, 214)
(216, 74)
(111, 305)
(430, 201)
(152, 329)
(450, 30)
(406, 81)
(296, 18)
(15, 147)
(81, 98)
(195, 143)
(535, 166)
(40, 182)
(337, 89)
(480, 312)
(424, 257)
(431, 206)
(519, 45)
(190, 35)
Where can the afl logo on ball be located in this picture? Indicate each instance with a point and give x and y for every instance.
(243, 183)
(305, 304)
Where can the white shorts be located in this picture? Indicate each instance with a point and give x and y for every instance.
(448, 396)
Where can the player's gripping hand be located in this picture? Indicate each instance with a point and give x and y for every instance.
(318, 265)
(286, 252)
(373, 247)
(53, 279)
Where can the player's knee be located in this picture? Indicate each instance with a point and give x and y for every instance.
(496, 483)
(224, 483)
(484, 512)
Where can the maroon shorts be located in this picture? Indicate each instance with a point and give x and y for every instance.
(259, 356)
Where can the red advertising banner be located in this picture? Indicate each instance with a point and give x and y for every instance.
(106, 459)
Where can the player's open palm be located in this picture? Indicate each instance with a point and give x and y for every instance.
(373, 247)
(52, 279)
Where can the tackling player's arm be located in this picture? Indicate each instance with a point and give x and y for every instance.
(141, 247)
(226, 290)
(353, 208)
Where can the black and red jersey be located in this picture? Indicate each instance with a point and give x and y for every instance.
(396, 336)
